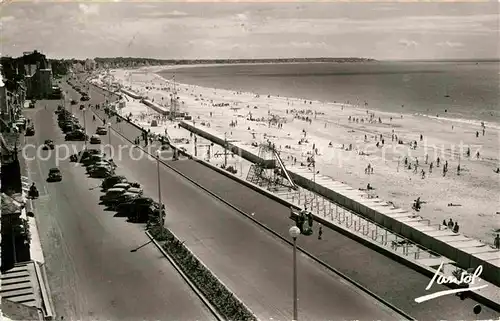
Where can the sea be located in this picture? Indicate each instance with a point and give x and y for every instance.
(461, 91)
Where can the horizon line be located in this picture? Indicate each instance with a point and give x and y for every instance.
(490, 59)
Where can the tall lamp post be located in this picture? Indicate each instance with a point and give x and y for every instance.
(85, 126)
(160, 221)
(294, 232)
(225, 150)
(109, 138)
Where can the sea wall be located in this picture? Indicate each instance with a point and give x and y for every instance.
(159, 109)
(238, 150)
(131, 94)
(467, 253)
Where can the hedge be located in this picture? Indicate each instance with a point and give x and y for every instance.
(226, 303)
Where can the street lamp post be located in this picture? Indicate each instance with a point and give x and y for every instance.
(158, 153)
(85, 127)
(109, 138)
(294, 232)
(225, 150)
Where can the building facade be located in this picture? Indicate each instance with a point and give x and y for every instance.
(44, 82)
(90, 64)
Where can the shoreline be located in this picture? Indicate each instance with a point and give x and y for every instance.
(472, 193)
(157, 70)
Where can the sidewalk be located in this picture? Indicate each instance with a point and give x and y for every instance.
(36, 251)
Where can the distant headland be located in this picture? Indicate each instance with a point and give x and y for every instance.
(135, 62)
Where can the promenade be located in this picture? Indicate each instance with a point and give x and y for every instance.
(322, 248)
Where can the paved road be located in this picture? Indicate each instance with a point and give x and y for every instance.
(91, 271)
(250, 261)
(389, 279)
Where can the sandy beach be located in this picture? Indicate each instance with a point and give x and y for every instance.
(346, 139)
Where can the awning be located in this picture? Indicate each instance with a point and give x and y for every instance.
(10, 205)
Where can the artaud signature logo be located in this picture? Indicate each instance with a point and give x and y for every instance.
(465, 280)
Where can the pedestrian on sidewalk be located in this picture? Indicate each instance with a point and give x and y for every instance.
(320, 232)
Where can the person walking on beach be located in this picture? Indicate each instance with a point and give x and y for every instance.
(456, 228)
(497, 242)
(450, 224)
(430, 167)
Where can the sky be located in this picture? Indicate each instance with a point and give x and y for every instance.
(188, 30)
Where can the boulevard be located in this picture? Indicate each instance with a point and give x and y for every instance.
(92, 273)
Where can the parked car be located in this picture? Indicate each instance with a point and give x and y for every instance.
(111, 181)
(54, 175)
(73, 102)
(63, 114)
(30, 131)
(76, 135)
(136, 191)
(101, 131)
(48, 144)
(126, 207)
(84, 154)
(85, 98)
(71, 126)
(95, 139)
(101, 172)
(98, 164)
(139, 210)
(124, 198)
(111, 193)
(92, 159)
(125, 186)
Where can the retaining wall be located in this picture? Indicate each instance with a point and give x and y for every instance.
(159, 109)
(131, 93)
(397, 220)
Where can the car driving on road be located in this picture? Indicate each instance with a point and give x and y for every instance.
(48, 144)
(101, 131)
(54, 175)
(30, 131)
